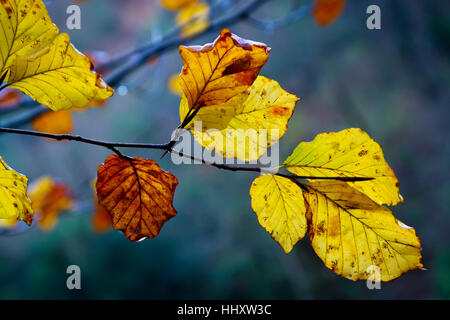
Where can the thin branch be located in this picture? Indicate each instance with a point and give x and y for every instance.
(166, 146)
(172, 43)
(25, 117)
(291, 17)
(141, 55)
(25, 103)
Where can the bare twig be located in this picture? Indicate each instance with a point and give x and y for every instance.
(166, 147)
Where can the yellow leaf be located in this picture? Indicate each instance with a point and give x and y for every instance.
(14, 203)
(351, 233)
(347, 153)
(279, 205)
(174, 86)
(55, 122)
(176, 4)
(25, 28)
(49, 198)
(193, 18)
(60, 77)
(214, 73)
(248, 124)
(8, 223)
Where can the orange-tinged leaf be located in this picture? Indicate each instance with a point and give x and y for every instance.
(101, 220)
(351, 233)
(55, 122)
(49, 199)
(327, 11)
(176, 4)
(245, 126)
(137, 194)
(97, 103)
(214, 73)
(9, 98)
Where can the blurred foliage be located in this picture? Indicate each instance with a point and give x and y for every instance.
(393, 83)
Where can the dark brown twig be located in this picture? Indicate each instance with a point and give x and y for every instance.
(166, 147)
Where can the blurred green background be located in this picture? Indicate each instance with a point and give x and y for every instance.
(393, 83)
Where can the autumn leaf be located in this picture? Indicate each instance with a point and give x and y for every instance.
(327, 11)
(137, 194)
(26, 28)
(176, 4)
(14, 203)
(9, 98)
(55, 122)
(242, 126)
(49, 199)
(347, 153)
(8, 223)
(279, 205)
(214, 73)
(193, 18)
(101, 220)
(59, 77)
(174, 86)
(350, 233)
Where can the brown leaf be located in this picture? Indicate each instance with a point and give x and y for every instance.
(214, 73)
(137, 194)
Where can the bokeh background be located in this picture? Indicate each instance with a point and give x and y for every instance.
(393, 83)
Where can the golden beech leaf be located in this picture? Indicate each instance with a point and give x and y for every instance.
(176, 4)
(214, 73)
(49, 199)
(193, 18)
(137, 194)
(55, 122)
(352, 234)
(279, 205)
(245, 122)
(327, 11)
(25, 28)
(59, 77)
(14, 203)
(101, 220)
(347, 153)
